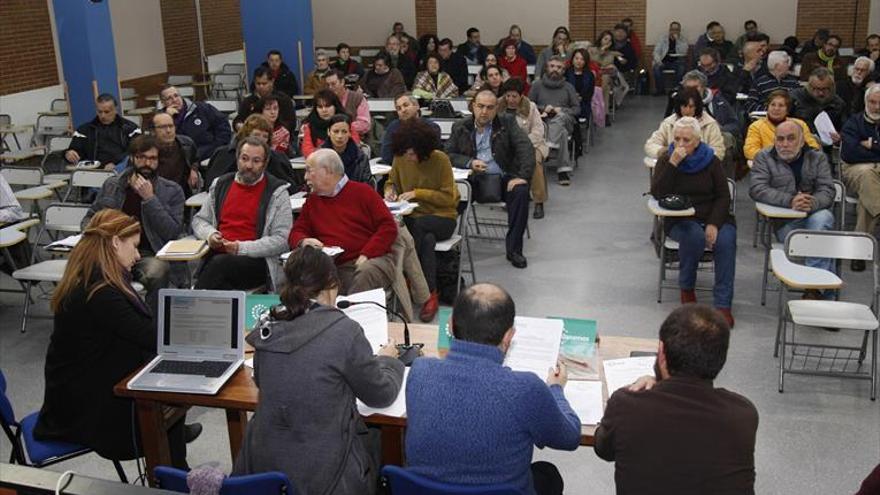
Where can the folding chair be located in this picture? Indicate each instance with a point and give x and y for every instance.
(224, 84)
(178, 80)
(239, 69)
(669, 247)
(822, 358)
(461, 238)
(39, 453)
(87, 179)
(225, 106)
(128, 93)
(261, 483)
(48, 126)
(404, 482)
(54, 164)
(59, 217)
(58, 105)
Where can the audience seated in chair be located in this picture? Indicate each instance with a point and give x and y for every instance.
(407, 107)
(482, 78)
(105, 138)
(453, 64)
(852, 89)
(284, 80)
(513, 63)
(670, 53)
(658, 442)
(350, 215)
(353, 102)
(793, 175)
(156, 202)
(315, 80)
(719, 78)
(177, 155)
(824, 56)
(245, 219)
(687, 103)
(819, 96)
(280, 139)
(469, 406)
(11, 212)
(314, 129)
(777, 77)
(714, 38)
(560, 46)
(523, 48)
(201, 122)
(103, 332)
(560, 107)
(762, 132)
(398, 61)
(472, 50)
(493, 144)
(433, 83)
(422, 173)
(264, 86)
(752, 65)
(344, 62)
(355, 161)
(690, 167)
(382, 81)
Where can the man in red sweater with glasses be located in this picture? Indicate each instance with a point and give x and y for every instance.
(350, 215)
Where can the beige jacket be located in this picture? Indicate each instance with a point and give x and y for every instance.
(529, 120)
(662, 137)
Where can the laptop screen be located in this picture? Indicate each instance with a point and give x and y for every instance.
(198, 320)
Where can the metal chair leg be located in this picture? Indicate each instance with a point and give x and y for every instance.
(27, 304)
(874, 364)
(120, 471)
(782, 356)
(780, 323)
(765, 275)
(662, 275)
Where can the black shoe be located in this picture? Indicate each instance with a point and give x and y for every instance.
(191, 432)
(539, 211)
(857, 265)
(517, 260)
(564, 179)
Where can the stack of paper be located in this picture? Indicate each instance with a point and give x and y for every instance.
(371, 318)
(535, 345)
(622, 372)
(397, 408)
(184, 247)
(585, 397)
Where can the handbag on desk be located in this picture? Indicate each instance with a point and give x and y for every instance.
(487, 188)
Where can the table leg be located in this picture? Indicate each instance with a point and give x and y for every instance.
(236, 423)
(392, 445)
(154, 438)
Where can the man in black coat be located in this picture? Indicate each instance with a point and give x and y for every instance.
(817, 97)
(284, 79)
(177, 155)
(493, 144)
(105, 138)
(264, 85)
(201, 122)
(397, 60)
(472, 50)
(453, 64)
(852, 89)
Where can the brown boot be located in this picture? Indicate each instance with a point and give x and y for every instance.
(725, 312)
(688, 296)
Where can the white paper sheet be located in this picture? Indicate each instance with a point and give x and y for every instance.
(622, 372)
(585, 397)
(397, 408)
(371, 318)
(67, 243)
(461, 173)
(535, 345)
(824, 127)
(331, 251)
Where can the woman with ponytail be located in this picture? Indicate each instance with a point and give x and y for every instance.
(311, 362)
(103, 332)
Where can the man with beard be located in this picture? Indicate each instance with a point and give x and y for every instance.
(155, 201)
(245, 220)
(177, 155)
(817, 97)
(852, 89)
(264, 85)
(558, 102)
(660, 442)
(860, 153)
(825, 56)
(398, 61)
(382, 81)
(791, 175)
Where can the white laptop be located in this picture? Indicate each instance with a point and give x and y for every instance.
(200, 342)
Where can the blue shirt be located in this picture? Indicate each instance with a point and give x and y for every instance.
(472, 421)
(484, 149)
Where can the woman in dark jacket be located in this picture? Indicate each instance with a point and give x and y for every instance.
(357, 163)
(311, 362)
(314, 130)
(103, 332)
(582, 78)
(690, 168)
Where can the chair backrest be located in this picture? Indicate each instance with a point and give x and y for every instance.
(53, 124)
(464, 196)
(90, 178)
(233, 69)
(125, 93)
(7, 415)
(731, 187)
(404, 482)
(175, 80)
(65, 217)
(59, 143)
(186, 91)
(227, 80)
(128, 105)
(58, 105)
(262, 483)
(225, 106)
(5, 119)
(22, 176)
(840, 202)
(831, 244)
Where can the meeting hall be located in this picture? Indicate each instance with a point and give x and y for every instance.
(439, 247)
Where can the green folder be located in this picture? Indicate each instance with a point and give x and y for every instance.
(255, 305)
(444, 335)
(578, 348)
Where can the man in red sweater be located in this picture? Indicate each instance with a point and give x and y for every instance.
(349, 215)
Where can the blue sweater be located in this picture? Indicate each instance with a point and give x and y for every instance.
(472, 421)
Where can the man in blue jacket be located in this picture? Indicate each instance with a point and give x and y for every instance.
(860, 153)
(473, 421)
(205, 125)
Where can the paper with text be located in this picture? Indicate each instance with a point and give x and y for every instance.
(535, 345)
(397, 408)
(622, 372)
(371, 318)
(825, 128)
(585, 397)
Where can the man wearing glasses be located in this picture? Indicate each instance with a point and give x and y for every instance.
(177, 155)
(205, 125)
(825, 56)
(155, 201)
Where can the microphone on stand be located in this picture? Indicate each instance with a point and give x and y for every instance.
(406, 352)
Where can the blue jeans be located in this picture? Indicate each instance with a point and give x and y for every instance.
(818, 220)
(691, 238)
(659, 78)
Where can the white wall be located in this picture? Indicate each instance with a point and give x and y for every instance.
(23, 107)
(360, 23)
(137, 34)
(215, 62)
(493, 18)
(873, 18)
(777, 18)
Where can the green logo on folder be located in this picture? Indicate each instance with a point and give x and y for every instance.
(255, 305)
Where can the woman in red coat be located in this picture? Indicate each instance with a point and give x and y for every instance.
(513, 63)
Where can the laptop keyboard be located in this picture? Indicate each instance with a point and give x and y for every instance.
(210, 369)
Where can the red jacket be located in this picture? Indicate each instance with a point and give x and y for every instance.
(516, 68)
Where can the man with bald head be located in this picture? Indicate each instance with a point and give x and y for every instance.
(471, 420)
(795, 176)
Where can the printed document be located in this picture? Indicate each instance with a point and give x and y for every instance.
(535, 345)
(397, 408)
(585, 397)
(371, 318)
(622, 372)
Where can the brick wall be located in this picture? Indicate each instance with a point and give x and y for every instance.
(426, 17)
(221, 21)
(27, 53)
(845, 18)
(581, 19)
(179, 26)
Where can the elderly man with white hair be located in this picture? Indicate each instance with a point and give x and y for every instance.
(349, 215)
(777, 77)
(860, 153)
(852, 89)
(690, 168)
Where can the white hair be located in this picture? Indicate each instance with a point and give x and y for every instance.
(874, 88)
(871, 64)
(688, 123)
(777, 57)
(322, 53)
(327, 159)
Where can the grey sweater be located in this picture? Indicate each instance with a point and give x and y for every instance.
(557, 93)
(309, 371)
(772, 181)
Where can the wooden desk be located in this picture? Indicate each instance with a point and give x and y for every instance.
(240, 395)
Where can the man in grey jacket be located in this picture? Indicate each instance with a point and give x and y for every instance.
(559, 104)
(157, 202)
(245, 220)
(795, 176)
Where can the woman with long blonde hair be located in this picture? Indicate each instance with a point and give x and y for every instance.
(103, 332)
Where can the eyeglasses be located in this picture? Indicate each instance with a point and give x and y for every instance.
(164, 127)
(147, 158)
